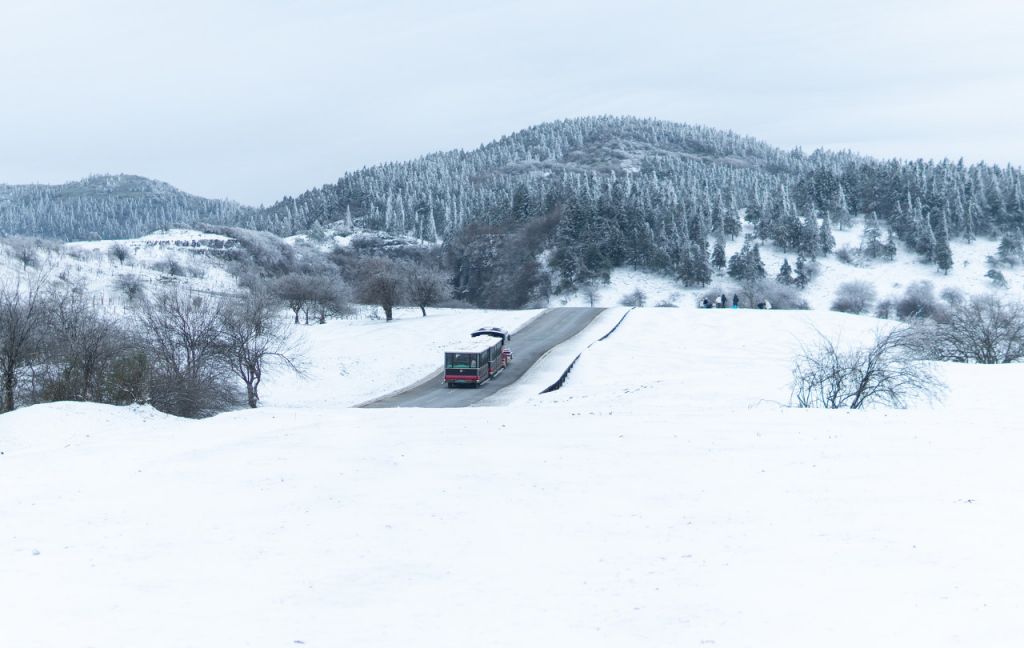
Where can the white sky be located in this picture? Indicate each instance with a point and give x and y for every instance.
(256, 99)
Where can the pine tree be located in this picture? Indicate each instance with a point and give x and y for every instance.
(802, 277)
(755, 266)
(871, 241)
(737, 268)
(785, 276)
(943, 254)
(826, 241)
(718, 256)
(889, 249)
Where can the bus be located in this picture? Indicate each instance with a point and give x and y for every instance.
(478, 359)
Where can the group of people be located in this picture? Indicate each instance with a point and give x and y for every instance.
(722, 302)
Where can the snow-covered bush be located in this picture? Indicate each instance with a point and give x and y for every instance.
(918, 301)
(847, 255)
(854, 297)
(998, 278)
(780, 296)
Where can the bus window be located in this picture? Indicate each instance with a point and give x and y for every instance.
(460, 361)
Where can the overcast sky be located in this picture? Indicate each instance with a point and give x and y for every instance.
(256, 99)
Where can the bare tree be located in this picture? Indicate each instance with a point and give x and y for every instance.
(23, 310)
(590, 291)
(298, 291)
(255, 338)
(119, 252)
(81, 348)
(983, 329)
(183, 337)
(887, 373)
(321, 295)
(426, 286)
(333, 299)
(380, 281)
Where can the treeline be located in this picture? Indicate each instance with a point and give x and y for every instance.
(106, 207)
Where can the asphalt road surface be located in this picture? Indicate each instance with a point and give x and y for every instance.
(528, 344)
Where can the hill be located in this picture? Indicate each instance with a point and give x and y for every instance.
(106, 206)
(582, 197)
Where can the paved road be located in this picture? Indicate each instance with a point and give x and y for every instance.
(550, 329)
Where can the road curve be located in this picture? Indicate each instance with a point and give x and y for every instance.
(528, 344)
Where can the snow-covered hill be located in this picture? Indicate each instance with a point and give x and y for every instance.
(664, 497)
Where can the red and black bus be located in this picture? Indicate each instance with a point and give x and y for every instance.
(478, 359)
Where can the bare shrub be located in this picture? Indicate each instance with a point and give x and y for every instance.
(131, 286)
(983, 329)
(885, 373)
(854, 297)
(637, 298)
(81, 351)
(170, 266)
(119, 252)
(24, 250)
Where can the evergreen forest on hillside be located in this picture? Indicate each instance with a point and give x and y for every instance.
(583, 196)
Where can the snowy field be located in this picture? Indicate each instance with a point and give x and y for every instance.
(664, 497)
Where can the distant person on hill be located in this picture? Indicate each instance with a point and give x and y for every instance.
(725, 300)
(767, 305)
(735, 300)
(705, 303)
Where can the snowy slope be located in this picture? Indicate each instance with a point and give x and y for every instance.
(889, 278)
(88, 264)
(660, 499)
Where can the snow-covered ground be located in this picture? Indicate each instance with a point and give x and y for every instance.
(88, 264)
(664, 497)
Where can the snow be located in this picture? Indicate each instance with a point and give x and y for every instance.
(87, 264)
(663, 497)
(889, 278)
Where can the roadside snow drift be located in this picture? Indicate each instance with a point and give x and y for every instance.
(664, 497)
